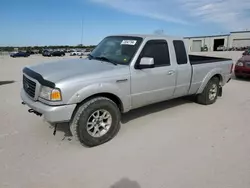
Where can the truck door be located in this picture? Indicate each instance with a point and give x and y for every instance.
(153, 84)
(184, 69)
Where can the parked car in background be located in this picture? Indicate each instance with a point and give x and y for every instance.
(239, 48)
(13, 53)
(122, 73)
(221, 48)
(58, 53)
(204, 49)
(47, 53)
(76, 52)
(87, 52)
(246, 52)
(19, 54)
(71, 50)
(31, 52)
(242, 67)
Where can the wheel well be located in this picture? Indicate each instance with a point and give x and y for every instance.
(110, 96)
(219, 77)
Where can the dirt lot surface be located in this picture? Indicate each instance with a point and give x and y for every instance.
(175, 144)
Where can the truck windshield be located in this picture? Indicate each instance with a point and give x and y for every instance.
(118, 49)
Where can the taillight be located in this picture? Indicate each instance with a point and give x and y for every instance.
(231, 70)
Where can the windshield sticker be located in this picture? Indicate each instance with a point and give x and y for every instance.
(128, 42)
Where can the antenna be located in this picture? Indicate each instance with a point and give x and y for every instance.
(82, 37)
(159, 32)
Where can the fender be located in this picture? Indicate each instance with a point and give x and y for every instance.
(208, 77)
(97, 88)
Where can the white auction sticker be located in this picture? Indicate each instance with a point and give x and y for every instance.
(128, 42)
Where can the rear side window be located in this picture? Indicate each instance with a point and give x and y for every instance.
(180, 52)
(157, 49)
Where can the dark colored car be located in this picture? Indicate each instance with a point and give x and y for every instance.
(58, 53)
(30, 52)
(242, 67)
(47, 53)
(20, 54)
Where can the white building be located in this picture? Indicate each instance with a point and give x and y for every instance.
(234, 39)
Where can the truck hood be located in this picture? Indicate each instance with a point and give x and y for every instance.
(60, 70)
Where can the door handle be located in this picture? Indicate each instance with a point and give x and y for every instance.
(171, 72)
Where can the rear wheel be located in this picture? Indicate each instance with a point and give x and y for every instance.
(210, 93)
(96, 121)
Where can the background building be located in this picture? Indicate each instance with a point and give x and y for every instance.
(237, 39)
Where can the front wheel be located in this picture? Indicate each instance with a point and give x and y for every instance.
(96, 121)
(210, 93)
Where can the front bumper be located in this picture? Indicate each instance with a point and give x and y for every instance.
(52, 114)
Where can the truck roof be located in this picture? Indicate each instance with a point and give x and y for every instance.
(151, 36)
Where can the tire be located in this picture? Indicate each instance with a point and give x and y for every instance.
(238, 77)
(82, 115)
(204, 98)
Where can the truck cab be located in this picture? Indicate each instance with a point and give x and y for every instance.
(161, 71)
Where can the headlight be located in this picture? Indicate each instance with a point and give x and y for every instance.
(50, 94)
(240, 64)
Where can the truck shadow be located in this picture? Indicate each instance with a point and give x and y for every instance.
(134, 114)
(6, 82)
(154, 108)
(126, 183)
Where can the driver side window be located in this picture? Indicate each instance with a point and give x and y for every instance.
(157, 49)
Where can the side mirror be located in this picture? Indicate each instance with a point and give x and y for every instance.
(146, 63)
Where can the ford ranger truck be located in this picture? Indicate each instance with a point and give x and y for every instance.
(122, 73)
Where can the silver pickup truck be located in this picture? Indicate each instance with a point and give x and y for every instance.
(122, 73)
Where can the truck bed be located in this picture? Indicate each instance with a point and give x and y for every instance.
(195, 59)
(203, 66)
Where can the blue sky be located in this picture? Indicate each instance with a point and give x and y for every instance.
(58, 22)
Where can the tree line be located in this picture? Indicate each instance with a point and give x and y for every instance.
(39, 48)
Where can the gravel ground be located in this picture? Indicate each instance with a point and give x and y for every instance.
(174, 144)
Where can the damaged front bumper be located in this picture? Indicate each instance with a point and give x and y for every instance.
(52, 114)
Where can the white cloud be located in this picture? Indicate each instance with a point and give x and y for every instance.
(232, 14)
(158, 9)
(229, 14)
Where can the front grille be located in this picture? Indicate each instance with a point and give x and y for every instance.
(29, 86)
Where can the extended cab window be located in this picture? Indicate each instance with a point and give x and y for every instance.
(180, 52)
(157, 49)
